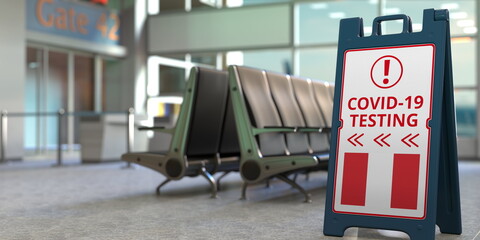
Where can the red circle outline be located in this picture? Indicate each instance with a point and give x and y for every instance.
(398, 80)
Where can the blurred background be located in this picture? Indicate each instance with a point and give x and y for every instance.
(95, 59)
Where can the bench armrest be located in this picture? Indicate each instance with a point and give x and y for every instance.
(157, 129)
(274, 129)
(313, 129)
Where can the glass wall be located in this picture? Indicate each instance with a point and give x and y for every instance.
(318, 22)
(173, 80)
(59, 79)
(84, 83)
(463, 30)
(315, 35)
(33, 87)
(111, 86)
(465, 82)
(46, 91)
(278, 60)
(462, 14)
(317, 63)
(167, 76)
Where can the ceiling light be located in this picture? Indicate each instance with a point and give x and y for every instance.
(470, 30)
(389, 11)
(234, 3)
(153, 7)
(234, 58)
(417, 27)
(458, 15)
(211, 3)
(318, 6)
(449, 6)
(336, 15)
(169, 99)
(465, 23)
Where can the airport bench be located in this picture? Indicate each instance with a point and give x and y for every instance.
(204, 139)
(281, 127)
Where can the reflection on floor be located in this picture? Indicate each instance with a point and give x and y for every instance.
(104, 201)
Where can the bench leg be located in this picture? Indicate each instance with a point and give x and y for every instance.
(211, 180)
(307, 176)
(295, 185)
(295, 177)
(244, 191)
(161, 185)
(267, 183)
(220, 178)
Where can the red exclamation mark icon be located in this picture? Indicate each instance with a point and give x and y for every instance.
(386, 70)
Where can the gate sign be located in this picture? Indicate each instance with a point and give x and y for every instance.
(383, 144)
(393, 161)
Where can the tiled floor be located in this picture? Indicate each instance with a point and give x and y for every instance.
(104, 201)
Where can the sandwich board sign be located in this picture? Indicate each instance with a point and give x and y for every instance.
(393, 162)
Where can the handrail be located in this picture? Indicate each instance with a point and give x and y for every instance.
(60, 114)
(31, 114)
(47, 114)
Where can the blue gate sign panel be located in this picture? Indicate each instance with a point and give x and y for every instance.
(74, 20)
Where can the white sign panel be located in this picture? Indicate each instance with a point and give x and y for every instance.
(384, 138)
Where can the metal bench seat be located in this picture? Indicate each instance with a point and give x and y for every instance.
(280, 131)
(204, 141)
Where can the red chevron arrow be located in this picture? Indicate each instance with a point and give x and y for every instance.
(406, 143)
(350, 139)
(355, 139)
(410, 139)
(375, 139)
(382, 141)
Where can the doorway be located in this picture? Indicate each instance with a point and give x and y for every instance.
(56, 79)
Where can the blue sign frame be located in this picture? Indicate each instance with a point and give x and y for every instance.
(443, 195)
